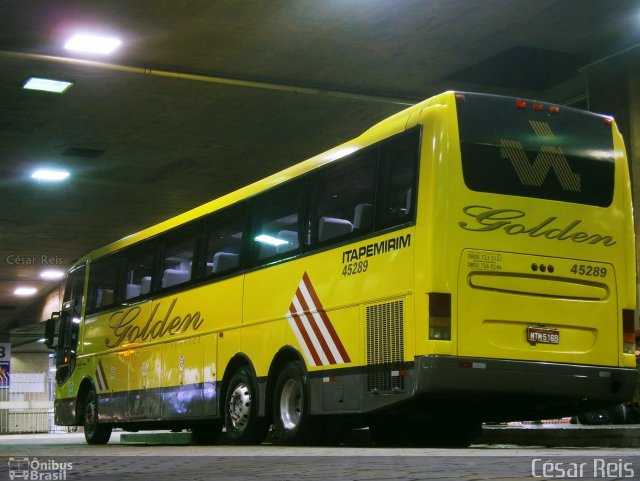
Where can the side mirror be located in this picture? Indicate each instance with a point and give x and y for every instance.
(50, 330)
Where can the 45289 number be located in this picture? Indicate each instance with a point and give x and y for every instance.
(592, 271)
(355, 268)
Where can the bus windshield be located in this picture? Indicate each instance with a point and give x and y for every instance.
(532, 149)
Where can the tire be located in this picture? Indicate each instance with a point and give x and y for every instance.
(293, 423)
(241, 419)
(94, 431)
(206, 433)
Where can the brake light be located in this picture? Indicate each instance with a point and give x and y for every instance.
(628, 331)
(521, 104)
(538, 106)
(439, 316)
(554, 109)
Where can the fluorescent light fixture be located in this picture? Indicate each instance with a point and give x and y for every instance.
(92, 44)
(46, 85)
(52, 274)
(272, 241)
(50, 175)
(25, 291)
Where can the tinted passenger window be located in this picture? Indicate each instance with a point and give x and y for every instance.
(398, 174)
(275, 226)
(177, 257)
(224, 242)
(74, 290)
(103, 283)
(139, 272)
(342, 198)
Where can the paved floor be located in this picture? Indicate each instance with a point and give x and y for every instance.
(68, 457)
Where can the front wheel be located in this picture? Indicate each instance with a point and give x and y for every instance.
(293, 423)
(94, 431)
(241, 419)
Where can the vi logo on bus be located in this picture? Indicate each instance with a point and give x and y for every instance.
(549, 157)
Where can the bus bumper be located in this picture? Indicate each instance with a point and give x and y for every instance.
(537, 382)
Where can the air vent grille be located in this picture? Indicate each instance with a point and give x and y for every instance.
(385, 347)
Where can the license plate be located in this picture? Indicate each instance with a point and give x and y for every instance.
(542, 335)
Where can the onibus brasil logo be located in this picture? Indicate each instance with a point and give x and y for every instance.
(34, 469)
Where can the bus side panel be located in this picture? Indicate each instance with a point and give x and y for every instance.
(145, 383)
(319, 300)
(111, 382)
(209, 374)
(182, 369)
(193, 366)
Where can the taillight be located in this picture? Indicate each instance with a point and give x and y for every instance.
(628, 331)
(439, 316)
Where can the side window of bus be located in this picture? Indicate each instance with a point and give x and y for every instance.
(176, 260)
(74, 290)
(275, 222)
(398, 174)
(74, 295)
(103, 283)
(223, 242)
(342, 198)
(139, 271)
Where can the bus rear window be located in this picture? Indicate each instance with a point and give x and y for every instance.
(515, 149)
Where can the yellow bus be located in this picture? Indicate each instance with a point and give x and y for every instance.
(468, 259)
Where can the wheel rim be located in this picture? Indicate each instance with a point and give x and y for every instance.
(240, 406)
(291, 404)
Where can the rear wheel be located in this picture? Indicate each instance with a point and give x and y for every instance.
(94, 431)
(241, 410)
(293, 423)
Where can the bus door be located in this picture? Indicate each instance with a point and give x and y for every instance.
(67, 328)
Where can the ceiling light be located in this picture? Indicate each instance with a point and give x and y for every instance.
(25, 291)
(92, 44)
(46, 85)
(50, 175)
(52, 274)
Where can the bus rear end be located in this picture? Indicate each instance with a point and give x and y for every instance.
(537, 304)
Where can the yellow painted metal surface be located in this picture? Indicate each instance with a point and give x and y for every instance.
(189, 337)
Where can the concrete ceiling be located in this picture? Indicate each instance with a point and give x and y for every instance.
(205, 96)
